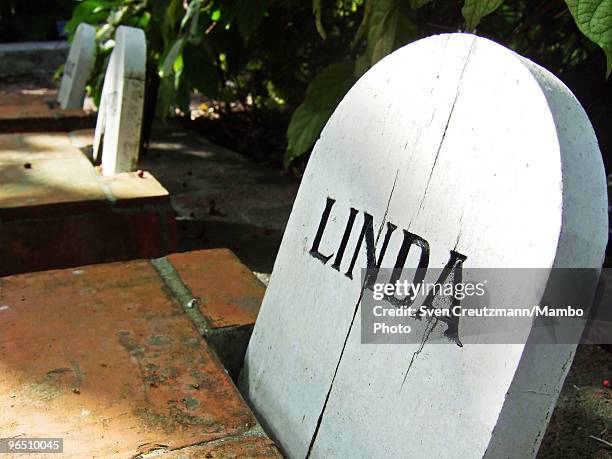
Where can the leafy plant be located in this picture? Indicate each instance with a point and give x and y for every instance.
(389, 24)
(298, 59)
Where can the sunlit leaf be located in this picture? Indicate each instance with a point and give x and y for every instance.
(418, 3)
(381, 29)
(594, 19)
(316, 9)
(324, 93)
(474, 10)
(171, 56)
(192, 10)
(144, 20)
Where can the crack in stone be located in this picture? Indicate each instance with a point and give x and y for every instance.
(450, 115)
(356, 308)
(426, 335)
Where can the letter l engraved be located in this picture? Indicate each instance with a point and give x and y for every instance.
(314, 250)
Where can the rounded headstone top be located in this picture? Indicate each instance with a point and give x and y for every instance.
(130, 43)
(463, 142)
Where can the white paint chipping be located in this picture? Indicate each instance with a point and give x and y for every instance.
(477, 150)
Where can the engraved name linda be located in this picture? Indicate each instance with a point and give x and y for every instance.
(451, 272)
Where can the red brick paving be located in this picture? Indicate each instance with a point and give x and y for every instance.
(104, 357)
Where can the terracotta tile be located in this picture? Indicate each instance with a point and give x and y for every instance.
(39, 116)
(231, 295)
(101, 356)
(246, 446)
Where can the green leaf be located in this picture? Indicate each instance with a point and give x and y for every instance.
(89, 11)
(170, 20)
(171, 56)
(216, 15)
(144, 20)
(407, 31)
(165, 98)
(361, 30)
(382, 29)
(323, 94)
(183, 96)
(105, 33)
(594, 19)
(304, 129)
(192, 10)
(474, 10)
(249, 14)
(316, 9)
(362, 64)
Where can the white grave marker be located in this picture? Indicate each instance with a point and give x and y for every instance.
(478, 152)
(77, 67)
(118, 127)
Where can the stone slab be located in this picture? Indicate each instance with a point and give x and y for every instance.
(228, 298)
(104, 357)
(31, 111)
(56, 211)
(28, 95)
(41, 116)
(237, 295)
(452, 152)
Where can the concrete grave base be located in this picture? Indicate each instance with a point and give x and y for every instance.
(105, 357)
(31, 112)
(57, 211)
(27, 112)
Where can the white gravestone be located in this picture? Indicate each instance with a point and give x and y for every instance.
(486, 157)
(118, 127)
(78, 67)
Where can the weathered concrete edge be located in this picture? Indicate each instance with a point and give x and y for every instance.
(228, 343)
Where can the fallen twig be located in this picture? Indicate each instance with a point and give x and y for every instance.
(601, 440)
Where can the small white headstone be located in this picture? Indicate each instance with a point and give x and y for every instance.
(118, 127)
(77, 68)
(467, 149)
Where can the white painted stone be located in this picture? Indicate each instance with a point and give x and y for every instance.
(477, 150)
(78, 67)
(118, 127)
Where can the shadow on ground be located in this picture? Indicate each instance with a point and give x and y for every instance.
(221, 198)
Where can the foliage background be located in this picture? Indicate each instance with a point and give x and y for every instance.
(266, 68)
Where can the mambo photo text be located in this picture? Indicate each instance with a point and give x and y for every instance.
(406, 292)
